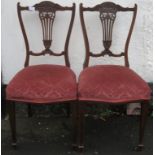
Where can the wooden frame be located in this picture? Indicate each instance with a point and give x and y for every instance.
(110, 10)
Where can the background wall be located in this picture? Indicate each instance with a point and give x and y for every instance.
(13, 47)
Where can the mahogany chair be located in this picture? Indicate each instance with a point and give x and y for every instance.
(44, 83)
(110, 84)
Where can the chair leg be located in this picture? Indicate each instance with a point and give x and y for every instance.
(68, 109)
(74, 109)
(29, 110)
(79, 119)
(143, 118)
(81, 127)
(12, 119)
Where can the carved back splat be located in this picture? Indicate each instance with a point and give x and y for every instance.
(47, 11)
(107, 13)
(47, 14)
(107, 16)
(47, 19)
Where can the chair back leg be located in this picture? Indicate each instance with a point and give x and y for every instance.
(68, 109)
(29, 110)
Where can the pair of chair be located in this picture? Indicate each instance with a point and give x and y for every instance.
(53, 84)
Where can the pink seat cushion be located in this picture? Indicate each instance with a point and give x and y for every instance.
(112, 84)
(43, 84)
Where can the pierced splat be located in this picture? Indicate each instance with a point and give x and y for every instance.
(47, 12)
(107, 17)
(47, 19)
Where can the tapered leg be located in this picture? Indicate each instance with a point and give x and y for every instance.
(12, 119)
(79, 145)
(82, 123)
(74, 108)
(143, 118)
(29, 110)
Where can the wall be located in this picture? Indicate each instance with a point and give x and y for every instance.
(140, 50)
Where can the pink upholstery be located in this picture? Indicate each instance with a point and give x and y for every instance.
(43, 84)
(112, 84)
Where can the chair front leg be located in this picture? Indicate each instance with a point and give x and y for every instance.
(81, 120)
(143, 119)
(74, 108)
(12, 119)
(78, 121)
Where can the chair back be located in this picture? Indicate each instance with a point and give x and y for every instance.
(107, 14)
(47, 13)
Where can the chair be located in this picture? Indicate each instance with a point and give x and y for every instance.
(43, 83)
(110, 84)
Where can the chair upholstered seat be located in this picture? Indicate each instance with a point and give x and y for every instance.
(43, 84)
(112, 84)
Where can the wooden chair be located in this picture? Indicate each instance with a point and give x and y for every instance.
(110, 84)
(43, 83)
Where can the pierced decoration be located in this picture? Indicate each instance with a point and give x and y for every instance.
(107, 16)
(47, 12)
(47, 19)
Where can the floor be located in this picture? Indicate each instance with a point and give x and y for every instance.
(51, 135)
